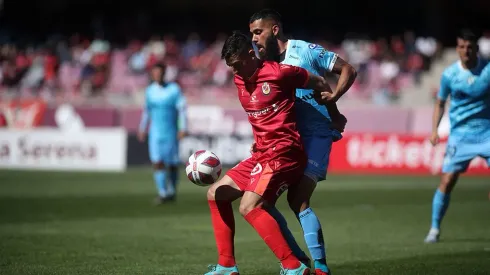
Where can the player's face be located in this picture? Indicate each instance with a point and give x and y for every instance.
(243, 65)
(467, 50)
(157, 74)
(264, 36)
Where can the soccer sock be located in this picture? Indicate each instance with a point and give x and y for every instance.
(224, 231)
(270, 232)
(313, 237)
(172, 181)
(174, 177)
(159, 177)
(440, 203)
(297, 251)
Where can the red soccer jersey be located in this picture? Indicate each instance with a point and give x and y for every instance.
(268, 98)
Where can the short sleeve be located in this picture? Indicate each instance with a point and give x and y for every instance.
(444, 89)
(323, 59)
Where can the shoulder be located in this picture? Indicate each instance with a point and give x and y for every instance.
(451, 70)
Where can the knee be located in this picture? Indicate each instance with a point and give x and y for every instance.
(158, 165)
(246, 207)
(448, 181)
(211, 194)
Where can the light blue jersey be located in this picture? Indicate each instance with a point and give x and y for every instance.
(313, 120)
(469, 114)
(165, 108)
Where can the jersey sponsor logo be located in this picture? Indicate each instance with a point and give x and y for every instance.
(264, 111)
(322, 53)
(257, 170)
(312, 46)
(266, 89)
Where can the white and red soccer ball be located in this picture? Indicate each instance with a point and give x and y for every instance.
(203, 168)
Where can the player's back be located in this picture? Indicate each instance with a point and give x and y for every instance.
(161, 102)
(268, 99)
(312, 118)
(469, 94)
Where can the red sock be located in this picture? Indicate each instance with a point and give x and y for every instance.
(224, 231)
(270, 232)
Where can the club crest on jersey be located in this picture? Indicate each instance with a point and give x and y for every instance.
(266, 89)
(257, 170)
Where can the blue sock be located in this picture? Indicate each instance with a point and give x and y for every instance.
(159, 177)
(314, 237)
(297, 251)
(440, 202)
(173, 176)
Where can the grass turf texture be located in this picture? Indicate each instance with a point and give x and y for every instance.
(103, 223)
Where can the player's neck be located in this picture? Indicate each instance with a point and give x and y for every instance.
(470, 64)
(282, 44)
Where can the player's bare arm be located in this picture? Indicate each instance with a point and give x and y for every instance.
(439, 108)
(347, 77)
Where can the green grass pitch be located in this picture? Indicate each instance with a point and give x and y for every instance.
(105, 223)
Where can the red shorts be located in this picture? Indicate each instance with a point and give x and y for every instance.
(269, 174)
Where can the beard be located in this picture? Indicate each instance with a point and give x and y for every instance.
(271, 49)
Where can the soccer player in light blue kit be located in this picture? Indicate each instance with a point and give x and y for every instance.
(318, 125)
(165, 110)
(467, 83)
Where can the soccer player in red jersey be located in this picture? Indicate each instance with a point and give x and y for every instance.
(266, 91)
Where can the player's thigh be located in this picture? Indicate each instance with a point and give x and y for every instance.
(232, 185)
(155, 151)
(170, 154)
(249, 202)
(485, 151)
(224, 189)
(318, 150)
(299, 195)
(270, 184)
(458, 156)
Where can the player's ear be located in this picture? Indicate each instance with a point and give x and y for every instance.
(275, 29)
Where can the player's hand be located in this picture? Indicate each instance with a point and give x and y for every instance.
(181, 135)
(434, 139)
(324, 97)
(141, 136)
(339, 122)
(253, 148)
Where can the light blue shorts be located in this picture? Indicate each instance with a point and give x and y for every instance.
(163, 151)
(460, 153)
(318, 150)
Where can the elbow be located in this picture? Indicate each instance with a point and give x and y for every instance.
(351, 71)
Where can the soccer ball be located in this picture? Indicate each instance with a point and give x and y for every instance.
(203, 168)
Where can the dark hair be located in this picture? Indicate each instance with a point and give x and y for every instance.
(160, 66)
(235, 44)
(468, 35)
(266, 14)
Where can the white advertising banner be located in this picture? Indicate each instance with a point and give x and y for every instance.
(94, 149)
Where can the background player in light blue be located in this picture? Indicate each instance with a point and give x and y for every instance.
(318, 125)
(466, 83)
(165, 110)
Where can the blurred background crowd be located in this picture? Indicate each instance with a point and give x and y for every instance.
(93, 68)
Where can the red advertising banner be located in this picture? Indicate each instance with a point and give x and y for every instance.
(22, 114)
(392, 154)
